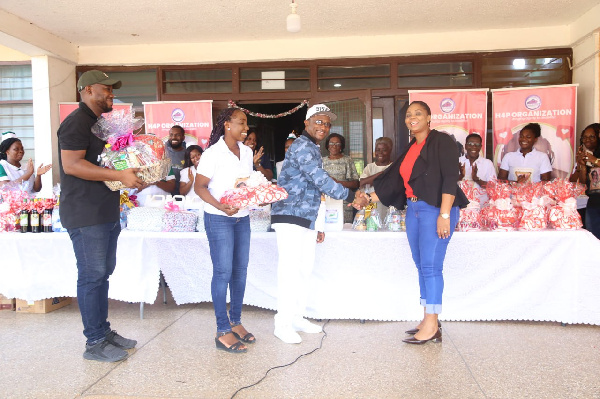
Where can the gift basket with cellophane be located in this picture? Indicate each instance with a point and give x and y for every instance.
(125, 150)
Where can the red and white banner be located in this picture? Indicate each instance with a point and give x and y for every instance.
(195, 117)
(553, 107)
(456, 112)
(64, 109)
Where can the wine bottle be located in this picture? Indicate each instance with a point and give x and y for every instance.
(24, 217)
(34, 218)
(47, 221)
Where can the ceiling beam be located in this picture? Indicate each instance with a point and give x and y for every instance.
(27, 38)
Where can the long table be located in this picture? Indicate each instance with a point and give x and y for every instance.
(545, 276)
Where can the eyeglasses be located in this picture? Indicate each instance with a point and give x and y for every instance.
(471, 144)
(322, 123)
(335, 144)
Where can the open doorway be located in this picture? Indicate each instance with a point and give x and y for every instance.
(272, 132)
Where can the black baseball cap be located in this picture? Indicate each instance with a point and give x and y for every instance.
(94, 76)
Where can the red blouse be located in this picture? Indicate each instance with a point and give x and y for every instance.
(408, 163)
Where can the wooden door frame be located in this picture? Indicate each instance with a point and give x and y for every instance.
(389, 119)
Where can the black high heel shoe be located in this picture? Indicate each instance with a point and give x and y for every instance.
(416, 330)
(437, 337)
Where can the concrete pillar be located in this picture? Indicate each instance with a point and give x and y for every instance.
(53, 82)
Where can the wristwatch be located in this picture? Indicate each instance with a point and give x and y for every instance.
(445, 215)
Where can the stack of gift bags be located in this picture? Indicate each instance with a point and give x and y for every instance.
(499, 214)
(522, 206)
(470, 217)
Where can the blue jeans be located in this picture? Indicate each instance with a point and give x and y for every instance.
(96, 253)
(428, 250)
(592, 221)
(229, 242)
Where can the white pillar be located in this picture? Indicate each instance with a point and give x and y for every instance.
(53, 81)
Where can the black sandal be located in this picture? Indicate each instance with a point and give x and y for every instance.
(235, 348)
(248, 338)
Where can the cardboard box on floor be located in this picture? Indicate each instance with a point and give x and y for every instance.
(7, 303)
(43, 305)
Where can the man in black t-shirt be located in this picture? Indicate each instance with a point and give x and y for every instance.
(90, 213)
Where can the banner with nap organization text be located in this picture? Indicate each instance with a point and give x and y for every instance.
(456, 112)
(553, 107)
(64, 109)
(194, 116)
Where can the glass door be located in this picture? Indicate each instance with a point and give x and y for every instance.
(353, 110)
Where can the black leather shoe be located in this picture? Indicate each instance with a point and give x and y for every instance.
(416, 330)
(437, 337)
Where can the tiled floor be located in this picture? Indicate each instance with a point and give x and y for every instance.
(41, 357)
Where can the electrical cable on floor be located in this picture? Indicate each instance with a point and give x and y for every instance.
(285, 365)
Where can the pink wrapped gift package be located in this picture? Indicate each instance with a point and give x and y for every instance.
(564, 215)
(255, 190)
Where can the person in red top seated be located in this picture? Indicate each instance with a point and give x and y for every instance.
(425, 178)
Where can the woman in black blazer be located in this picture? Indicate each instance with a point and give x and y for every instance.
(425, 177)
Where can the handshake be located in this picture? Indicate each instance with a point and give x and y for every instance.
(362, 199)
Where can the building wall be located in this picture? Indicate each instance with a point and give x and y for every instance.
(582, 35)
(585, 74)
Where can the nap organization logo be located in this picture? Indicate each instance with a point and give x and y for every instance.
(533, 102)
(177, 115)
(447, 105)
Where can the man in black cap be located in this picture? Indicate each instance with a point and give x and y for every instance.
(90, 213)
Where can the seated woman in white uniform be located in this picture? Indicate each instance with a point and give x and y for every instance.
(11, 170)
(526, 164)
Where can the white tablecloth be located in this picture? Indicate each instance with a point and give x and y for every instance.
(42, 265)
(546, 276)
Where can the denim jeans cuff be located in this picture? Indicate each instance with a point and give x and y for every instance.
(92, 343)
(423, 302)
(433, 308)
(223, 331)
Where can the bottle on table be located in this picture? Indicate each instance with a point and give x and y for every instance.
(47, 221)
(24, 217)
(34, 218)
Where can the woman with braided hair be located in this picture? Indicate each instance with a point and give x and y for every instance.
(11, 155)
(227, 228)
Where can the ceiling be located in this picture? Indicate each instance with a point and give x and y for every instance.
(125, 22)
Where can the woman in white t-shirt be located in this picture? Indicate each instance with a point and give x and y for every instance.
(11, 155)
(526, 164)
(191, 158)
(227, 228)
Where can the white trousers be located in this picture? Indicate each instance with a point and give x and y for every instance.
(296, 247)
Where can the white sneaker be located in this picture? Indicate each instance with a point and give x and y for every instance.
(306, 326)
(287, 335)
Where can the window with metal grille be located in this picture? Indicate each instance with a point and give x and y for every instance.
(137, 87)
(16, 104)
(187, 81)
(354, 77)
(434, 75)
(274, 79)
(517, 71)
